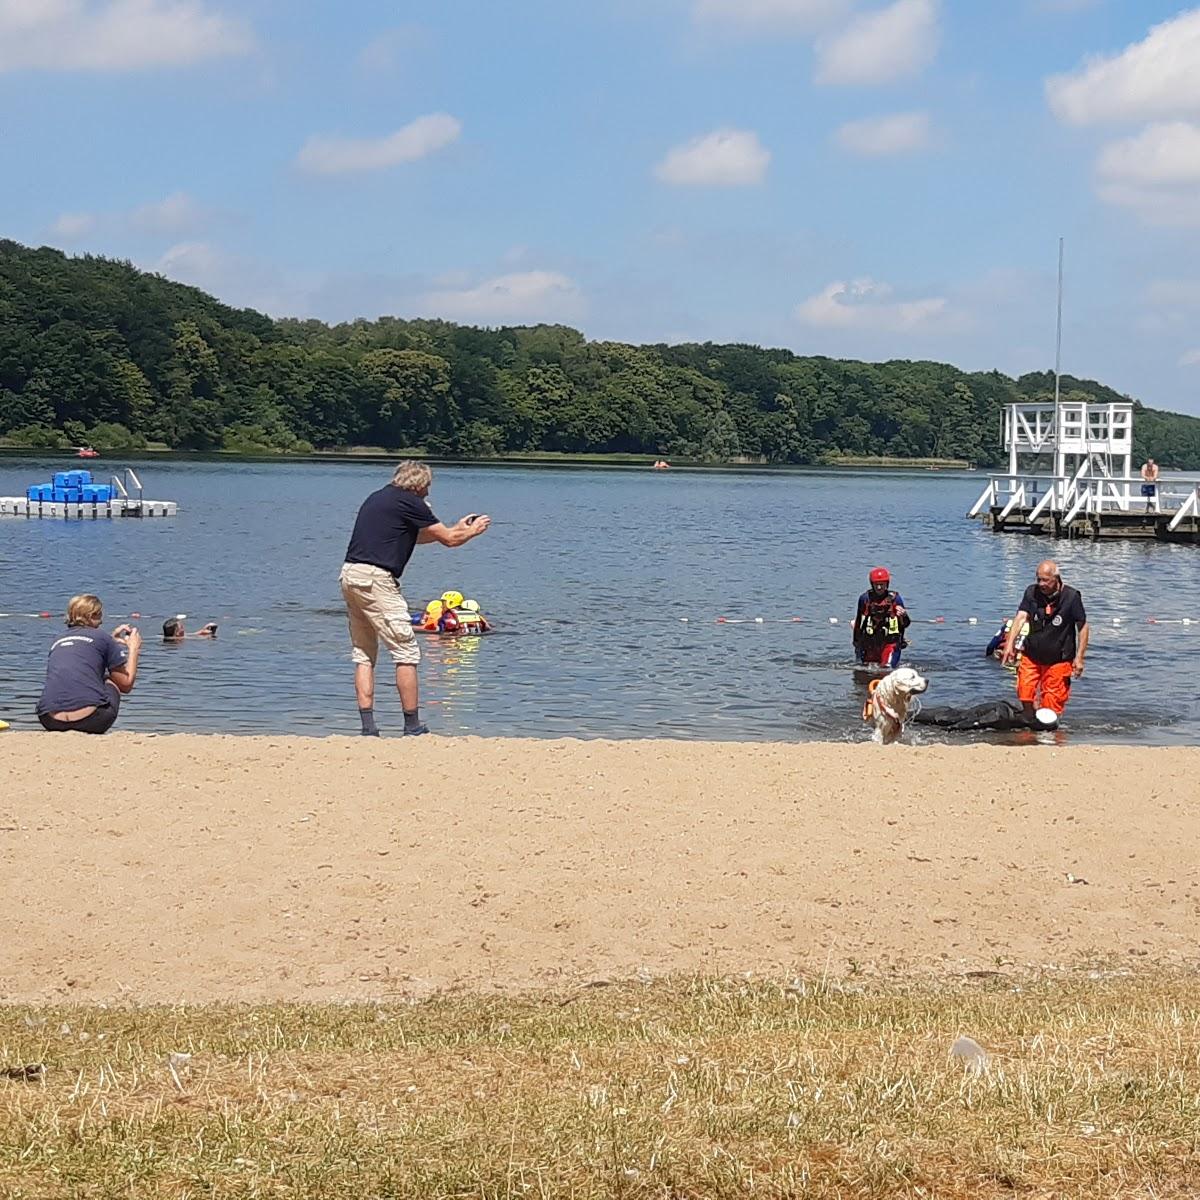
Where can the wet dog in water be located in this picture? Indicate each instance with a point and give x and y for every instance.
(888, 702)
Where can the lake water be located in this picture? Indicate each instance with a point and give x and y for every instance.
(587, 575)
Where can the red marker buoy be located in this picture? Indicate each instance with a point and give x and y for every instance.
(135, 616)
(720, 620)
(43, 614)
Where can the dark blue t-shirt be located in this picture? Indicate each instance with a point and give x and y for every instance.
(385, 532)
(78, 664)
(1053, 621)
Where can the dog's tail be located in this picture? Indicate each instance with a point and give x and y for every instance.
(869, 703)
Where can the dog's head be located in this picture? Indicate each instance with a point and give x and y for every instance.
(904, 681)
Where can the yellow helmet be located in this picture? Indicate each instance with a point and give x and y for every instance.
(470, 606)
(433, 610)
(452, 599)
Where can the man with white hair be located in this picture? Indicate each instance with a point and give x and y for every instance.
(390, 523)
(1056, 640)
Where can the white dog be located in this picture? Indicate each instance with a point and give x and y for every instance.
(888, 702)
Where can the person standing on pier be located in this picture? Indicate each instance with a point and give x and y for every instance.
(1150, 483)
(389, 525)
(1055, 625)
(880, 622)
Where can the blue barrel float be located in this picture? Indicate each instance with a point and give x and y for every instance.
(70, 487)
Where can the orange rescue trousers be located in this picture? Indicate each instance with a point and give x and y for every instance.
(1053, 681)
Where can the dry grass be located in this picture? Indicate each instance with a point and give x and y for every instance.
(676, 1089)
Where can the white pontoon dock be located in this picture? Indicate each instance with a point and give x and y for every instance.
(1070, 474)
(128, 500)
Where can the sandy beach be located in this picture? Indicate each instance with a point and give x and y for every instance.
(202, 868)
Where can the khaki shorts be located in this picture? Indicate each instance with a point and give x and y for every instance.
(378, 612)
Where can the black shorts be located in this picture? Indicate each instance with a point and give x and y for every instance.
(101, 721)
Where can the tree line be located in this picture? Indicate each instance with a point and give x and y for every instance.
(93, 350)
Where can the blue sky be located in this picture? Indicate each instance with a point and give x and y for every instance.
(846, 177)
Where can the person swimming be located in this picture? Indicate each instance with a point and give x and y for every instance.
(995, 648)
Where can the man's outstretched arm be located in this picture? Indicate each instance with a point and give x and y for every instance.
(461, 532)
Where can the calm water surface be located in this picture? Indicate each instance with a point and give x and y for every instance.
(587, 575)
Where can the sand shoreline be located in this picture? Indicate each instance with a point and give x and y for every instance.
(196, 868)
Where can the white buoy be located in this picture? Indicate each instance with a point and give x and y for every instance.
(758, 620)
(1116, 620)
(684, 620)
(972, 620)
(833, 620)
(1187, 620)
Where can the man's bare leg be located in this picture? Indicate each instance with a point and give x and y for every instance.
(406, 685)
(364, 684)
(364, 690)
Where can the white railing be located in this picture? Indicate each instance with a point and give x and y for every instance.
(1189, 508)
(984, 501)
(1093, 495)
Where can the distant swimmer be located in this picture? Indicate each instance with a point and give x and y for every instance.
(88, 671)
(389, 525)
(175, 631)
(1054, 624)
(880, 622)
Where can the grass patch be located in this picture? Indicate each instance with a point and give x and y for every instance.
(683, 1088)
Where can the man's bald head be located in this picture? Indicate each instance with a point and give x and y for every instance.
(1047, 574)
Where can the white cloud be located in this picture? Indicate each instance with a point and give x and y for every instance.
(881, 46)
(1190, 358)
(1168, 153)
(177, 214)
(114, 35)
(868, 305)
(174, 216)
(723, 158)
(896, 133)
(384, 53)
(418, 139)
(1156, 173)
(70, 226)
(237, 280)
(1155, 78)
(800, 16)
(522, 296)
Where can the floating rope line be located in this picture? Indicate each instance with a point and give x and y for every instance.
(927, 621)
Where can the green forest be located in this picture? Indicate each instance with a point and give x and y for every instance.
(94, 351)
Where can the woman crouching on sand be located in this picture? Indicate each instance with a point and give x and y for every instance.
(88, 671)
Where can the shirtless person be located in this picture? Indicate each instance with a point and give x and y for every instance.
(1150, 483)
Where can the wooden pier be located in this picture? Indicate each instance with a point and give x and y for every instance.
(1071, 475)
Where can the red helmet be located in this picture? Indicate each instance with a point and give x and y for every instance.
(880, 575)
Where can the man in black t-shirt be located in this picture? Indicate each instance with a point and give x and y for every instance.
(1056, 639)
(390, 523)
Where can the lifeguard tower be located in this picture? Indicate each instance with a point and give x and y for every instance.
(1070, 473)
